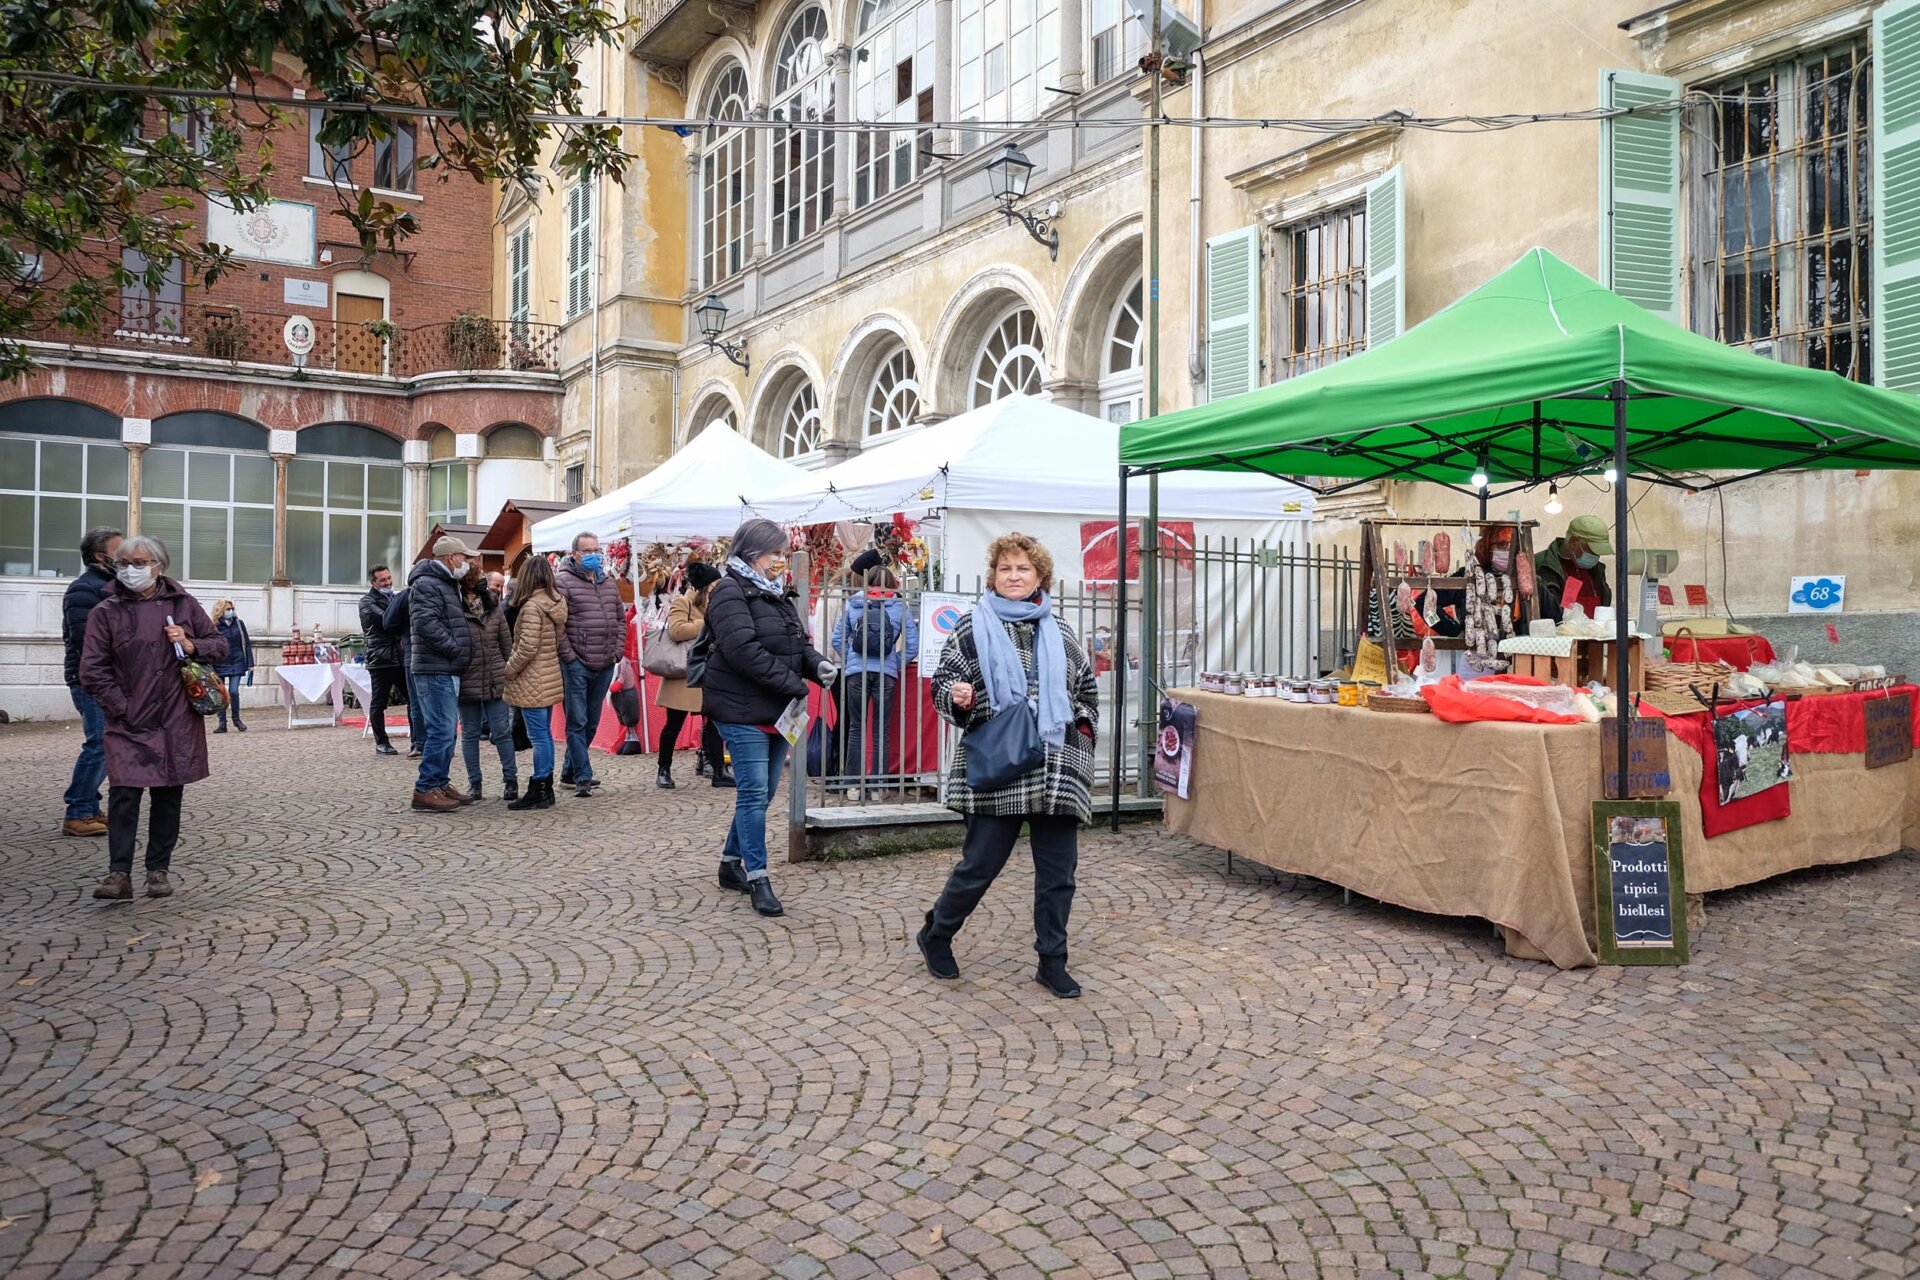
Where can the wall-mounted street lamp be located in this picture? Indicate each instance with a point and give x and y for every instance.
(712, 315)
(1007, 176)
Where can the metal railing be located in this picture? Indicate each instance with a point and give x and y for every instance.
(1232, 604)
(172, 329)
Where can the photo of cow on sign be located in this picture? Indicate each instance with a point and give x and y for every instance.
(1751, 751)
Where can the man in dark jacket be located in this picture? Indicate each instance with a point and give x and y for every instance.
(386, 658)
(590, 648)
(97, 550)
(399, 623)
(441, 648)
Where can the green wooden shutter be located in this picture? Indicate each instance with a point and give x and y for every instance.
(579, 249)
(1896, 195)
(520, 275)
(1640, 193)
(1386, 257)
(1233, 313)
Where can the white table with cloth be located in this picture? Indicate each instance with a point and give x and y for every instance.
(1491, 820)
(310, 683)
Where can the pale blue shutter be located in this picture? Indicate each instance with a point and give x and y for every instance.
(1640, 193)
(1896, 195)
(579, 249)
(520, 275)
(1386, 257)
(1233, 313)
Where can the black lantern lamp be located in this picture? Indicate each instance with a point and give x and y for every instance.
(1007, 177)
(712, 317)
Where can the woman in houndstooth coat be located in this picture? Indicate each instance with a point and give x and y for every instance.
(1052, 800)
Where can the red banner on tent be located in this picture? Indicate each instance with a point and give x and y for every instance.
(1100, 552)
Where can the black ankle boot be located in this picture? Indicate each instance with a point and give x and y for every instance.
(938, 952)
(733, 876)
(511, 791)
(723, 777)
(531, 800)
(1053, 975)
(700, 764)
(546, 794)
(764, 900)
(665, 779)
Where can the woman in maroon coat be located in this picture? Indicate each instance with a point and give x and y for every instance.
(154, 740)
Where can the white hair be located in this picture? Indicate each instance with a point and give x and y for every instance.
(156, 551)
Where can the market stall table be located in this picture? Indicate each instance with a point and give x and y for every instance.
(311, 682)
(1491, 820)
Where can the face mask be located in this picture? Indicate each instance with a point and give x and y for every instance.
(136, 577)
(591, 562)
(1502, 557)
(227, 616)
(1586, 560)
(458, 569)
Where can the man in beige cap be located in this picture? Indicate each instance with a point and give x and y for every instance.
(1569, 569)
(441, 648)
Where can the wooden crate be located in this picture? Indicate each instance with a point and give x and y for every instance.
(1591, 662)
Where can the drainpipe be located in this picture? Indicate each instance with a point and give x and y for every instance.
(1196, 365)
(593, 391)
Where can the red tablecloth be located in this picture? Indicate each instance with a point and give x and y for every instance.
(1741, 651)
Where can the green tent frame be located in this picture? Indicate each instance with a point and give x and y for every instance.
(1539, 375)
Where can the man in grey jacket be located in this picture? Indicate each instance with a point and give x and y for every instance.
(590, 649)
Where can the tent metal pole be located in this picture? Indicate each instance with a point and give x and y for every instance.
(1119, 647)
(1622, 624)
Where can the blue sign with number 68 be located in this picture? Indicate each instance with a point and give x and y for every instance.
(1817, 595)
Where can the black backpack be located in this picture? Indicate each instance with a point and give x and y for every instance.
(875, 633)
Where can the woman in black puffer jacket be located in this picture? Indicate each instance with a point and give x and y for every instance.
(758, 660)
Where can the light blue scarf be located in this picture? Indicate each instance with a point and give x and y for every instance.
(745, 570)
(1006, 678)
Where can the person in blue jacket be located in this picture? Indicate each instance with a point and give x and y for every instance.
(875, 639)
(238, 664)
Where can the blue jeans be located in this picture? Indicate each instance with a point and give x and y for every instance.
(233, 700)
(586, 696)
(498, 722)
(90, 770)
(539, 722)
(759, 758)
(439, 699)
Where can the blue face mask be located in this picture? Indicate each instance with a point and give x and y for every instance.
(1586, 560)
(591, 562)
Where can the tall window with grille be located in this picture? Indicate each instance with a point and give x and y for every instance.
(1779, 211)
(579, 249)
(1118, 38)
(802, 188)
(1322, 294)
(726, 180)
(1008, 56)
(893, 81)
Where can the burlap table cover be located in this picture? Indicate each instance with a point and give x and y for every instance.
(1490, 820)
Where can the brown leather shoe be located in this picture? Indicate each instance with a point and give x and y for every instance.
(158, 886)
(117, 887)
(456, 795)
(94, 826)
(434, 802)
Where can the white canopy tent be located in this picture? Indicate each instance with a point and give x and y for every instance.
(696, 493)
(1027, 464)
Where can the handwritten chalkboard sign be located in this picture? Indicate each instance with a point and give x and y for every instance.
(1648, 777)
(1639, 882)
(1889, 730)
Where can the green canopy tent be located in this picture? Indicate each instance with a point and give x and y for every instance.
(1538, 375)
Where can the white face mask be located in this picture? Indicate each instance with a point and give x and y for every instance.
(136, 577)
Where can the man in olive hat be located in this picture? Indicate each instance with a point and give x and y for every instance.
(1569, 569)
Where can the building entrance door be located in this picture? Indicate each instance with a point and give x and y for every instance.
(356, 350)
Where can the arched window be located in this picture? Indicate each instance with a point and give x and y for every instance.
(344, 501)
(892, 80)
(1011, 361)
(514, 441)
(446, 481)
(712, 410)
(1121, 358)
(800, 422)
(726, 180)
(893, 401)
(1008, 57)
(63, 471)
(802, 158)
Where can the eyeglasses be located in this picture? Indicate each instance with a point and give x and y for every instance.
(133, 564)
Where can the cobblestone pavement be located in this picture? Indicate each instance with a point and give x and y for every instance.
(364, 1042)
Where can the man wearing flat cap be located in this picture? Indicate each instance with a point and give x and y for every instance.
(1570, 571)
(441, 648)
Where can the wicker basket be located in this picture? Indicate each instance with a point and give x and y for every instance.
(1403, 706)
(1676, 677)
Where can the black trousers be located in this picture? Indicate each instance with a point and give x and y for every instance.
(123, 824)
(385, 682)
(1056, 852)
(670, 734)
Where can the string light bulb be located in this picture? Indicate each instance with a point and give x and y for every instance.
(1610, 475)
(1554, 505)
(1480, 477)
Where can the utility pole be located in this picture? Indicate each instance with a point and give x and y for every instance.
(1150, 527)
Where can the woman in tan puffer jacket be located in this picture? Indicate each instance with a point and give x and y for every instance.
(534, 683)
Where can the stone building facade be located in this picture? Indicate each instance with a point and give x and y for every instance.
(310, 416)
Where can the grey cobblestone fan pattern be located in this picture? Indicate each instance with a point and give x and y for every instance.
(361, 1042)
